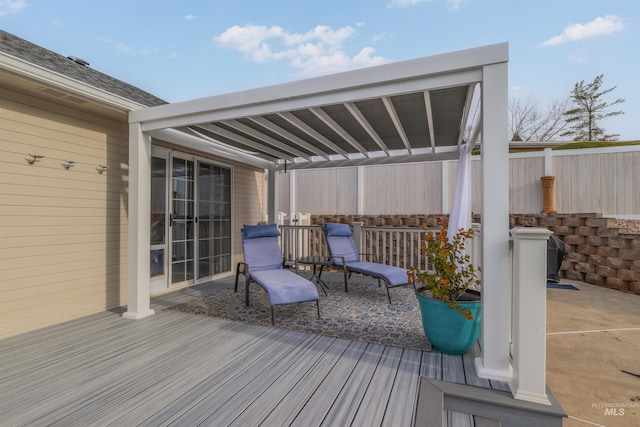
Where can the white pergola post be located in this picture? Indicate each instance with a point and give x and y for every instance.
(530, 314)
(293, 203)
(138, 304)
(496, 314)
(272, 196)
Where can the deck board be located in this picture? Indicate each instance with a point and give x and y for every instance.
(324, 397)
(182, 369)
(302, 392)
(351, 397)
(401, 406)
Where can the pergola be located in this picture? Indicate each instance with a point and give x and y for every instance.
(411, 111)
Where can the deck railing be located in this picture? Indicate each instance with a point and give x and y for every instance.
(401, 247)
(299, 241)
(397, 246)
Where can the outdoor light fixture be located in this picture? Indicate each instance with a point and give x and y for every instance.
(68, 164)
(102, 168)
(34, 158)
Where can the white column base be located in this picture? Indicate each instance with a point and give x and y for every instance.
(505, 375)
(137, 315)
(542, 399)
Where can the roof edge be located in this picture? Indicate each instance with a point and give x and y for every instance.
(472, 58)
(42, 75)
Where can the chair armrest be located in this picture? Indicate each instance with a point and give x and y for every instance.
(366, 254)
(242, 268)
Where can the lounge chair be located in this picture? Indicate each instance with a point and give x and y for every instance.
(342, 248)
(263, 265)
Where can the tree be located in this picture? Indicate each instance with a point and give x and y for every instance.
(590, 110)
(528, 123)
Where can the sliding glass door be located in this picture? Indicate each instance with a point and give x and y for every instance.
(182, 221)
(190, 220)
(214, 219)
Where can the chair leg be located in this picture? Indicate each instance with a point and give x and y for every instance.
(235, 289)
(345, 279)
(246, 290)
(388, 293)
(318, 306)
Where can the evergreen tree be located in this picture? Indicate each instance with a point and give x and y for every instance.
(590, 109)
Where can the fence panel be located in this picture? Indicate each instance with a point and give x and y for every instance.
(604, 180)
(607, 183)
(413, 187)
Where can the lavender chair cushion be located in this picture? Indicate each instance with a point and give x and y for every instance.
(341, 246)
(262, 254)
(395, 276)
(284, 286)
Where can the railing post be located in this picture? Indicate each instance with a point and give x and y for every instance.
(529, 314)
(357, 235)
(476, 247)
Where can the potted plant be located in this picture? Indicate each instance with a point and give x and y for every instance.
(451, 311)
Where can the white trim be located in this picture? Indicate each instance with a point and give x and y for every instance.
(360, 178)
(218, 110)
(496, 313)
(189, 141)
(529, 302)
(449, 69)
(63, 82)
(161, 283)
(139, 303)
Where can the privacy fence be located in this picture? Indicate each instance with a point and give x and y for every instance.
(603, 180)
(589, 184)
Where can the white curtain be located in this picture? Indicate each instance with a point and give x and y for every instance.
(460, 215)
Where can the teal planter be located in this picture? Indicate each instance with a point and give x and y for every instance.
(448, 330)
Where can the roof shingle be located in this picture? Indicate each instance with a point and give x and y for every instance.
(37, 55)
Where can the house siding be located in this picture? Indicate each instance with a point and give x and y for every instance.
(63, 233)
(63, 239)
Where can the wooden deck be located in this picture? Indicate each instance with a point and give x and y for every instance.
(182, 369)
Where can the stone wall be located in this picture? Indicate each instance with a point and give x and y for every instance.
(600, 252)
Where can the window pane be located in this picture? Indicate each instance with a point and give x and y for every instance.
(158, 200)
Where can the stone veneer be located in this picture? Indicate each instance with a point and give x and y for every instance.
(599, 251)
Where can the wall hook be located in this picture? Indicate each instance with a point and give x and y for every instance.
(102, 168)
(68, 164)
(34, 158)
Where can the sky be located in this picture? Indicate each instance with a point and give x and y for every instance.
(186, 49)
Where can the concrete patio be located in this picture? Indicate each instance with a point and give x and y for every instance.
(593, 335)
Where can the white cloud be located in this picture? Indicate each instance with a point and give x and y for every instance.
(455, 4)
(598, 27)
(403, 3)
(121, 47)
(380, 36)
(11, 6)
(316, 52)
(189, 17)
